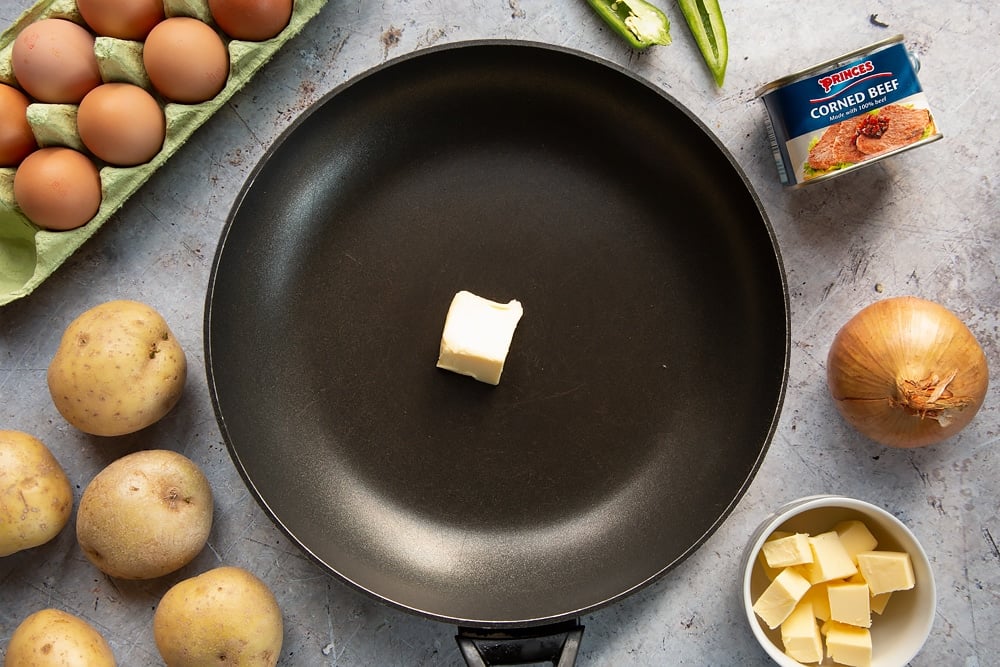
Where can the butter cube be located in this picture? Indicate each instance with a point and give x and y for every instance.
(830, 559)
(771, 572)
(820, 601)
(477, 336)
(850, 602)
(876, 602)
(800, 634)
(786, 551)
(886, 571)
(848, 644)
(780, 597)
(855, 537)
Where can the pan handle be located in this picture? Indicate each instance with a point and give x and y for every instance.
(557, 643)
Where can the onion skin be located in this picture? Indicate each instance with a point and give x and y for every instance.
(907, 372)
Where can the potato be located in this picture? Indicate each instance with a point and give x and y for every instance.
(36, 499)
(55, 638)
(225, 616)
(117, 370)
(145, 515)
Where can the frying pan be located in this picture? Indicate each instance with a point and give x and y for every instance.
(644, 380)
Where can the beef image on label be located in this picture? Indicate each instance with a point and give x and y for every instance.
(846, 113)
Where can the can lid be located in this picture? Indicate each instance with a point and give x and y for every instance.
(832, 63)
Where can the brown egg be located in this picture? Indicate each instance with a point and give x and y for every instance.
(124, 19)
(186, 60)
(16, 137)
(121, 124)
(251, 20)
(54, 61)
(58, 188)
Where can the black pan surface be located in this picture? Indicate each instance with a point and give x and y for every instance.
(644, 381)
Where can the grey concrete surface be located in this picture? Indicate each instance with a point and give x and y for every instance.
(924, 222)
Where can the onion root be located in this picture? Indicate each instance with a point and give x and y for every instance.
(930, 398)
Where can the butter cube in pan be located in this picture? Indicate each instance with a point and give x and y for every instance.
(477, 336)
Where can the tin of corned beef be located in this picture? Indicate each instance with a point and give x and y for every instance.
(846, 113)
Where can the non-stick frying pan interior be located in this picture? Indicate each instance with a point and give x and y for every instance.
(643, 383)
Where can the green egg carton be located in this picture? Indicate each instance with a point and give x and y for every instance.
(29, 254)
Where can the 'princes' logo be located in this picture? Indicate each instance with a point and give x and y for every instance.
(845, 75)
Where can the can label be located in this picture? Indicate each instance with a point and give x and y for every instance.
(847, 113)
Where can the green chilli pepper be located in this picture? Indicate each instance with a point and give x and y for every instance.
(704, 18)
(639, 22)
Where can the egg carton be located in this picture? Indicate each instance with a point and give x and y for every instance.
(30, 254)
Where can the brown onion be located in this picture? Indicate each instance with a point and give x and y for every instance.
(907, 372)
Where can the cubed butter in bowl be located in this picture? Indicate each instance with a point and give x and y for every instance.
(862, 596)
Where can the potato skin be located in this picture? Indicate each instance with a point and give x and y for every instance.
(55, 638)
(36, 498)
(225, 616)
(118, 369)
(145, 515)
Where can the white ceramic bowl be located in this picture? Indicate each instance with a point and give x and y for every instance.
(900, 632)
